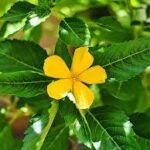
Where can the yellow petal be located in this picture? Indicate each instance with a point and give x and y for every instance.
(54, 66)
(82, 60)
(95, 74)
(83, 95)
(59, 89)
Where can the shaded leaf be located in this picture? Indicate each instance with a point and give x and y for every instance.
(38, 103)
(141, 123)
(110, 30)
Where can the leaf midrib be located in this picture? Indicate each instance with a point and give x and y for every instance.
(20, 62)
(25, 82)
(57, 136)
(124, 58)
(104, 130)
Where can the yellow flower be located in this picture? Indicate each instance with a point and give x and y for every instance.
(71, 80)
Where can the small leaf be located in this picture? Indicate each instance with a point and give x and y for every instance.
(74, 32)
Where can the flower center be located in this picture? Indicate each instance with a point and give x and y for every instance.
(74, 77)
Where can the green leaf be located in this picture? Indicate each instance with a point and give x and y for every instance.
(111, 129)
(74, 32)
(18, 11)
(38, 103)
(62, 51)
(110, 30)
(33, 34)
(143, 143)
(23, 83)
(40, 136)
(124, 61)
(141, 123)
(22, 15)
(9, 28)
(121, 90)
(46, 3)
(57, 138)
(75, 121)
(37, 15)
(18, 55)
(34, 132)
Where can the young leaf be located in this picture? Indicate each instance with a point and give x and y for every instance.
(74, 32)
(111, 129)
(18, 55)
(23, 83)
(124, 61)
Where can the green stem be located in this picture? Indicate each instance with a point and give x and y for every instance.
(52, 113)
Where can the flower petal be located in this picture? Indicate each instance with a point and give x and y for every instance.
(82, 60)
(95, 74)
(83, 95)
(59, 89)
(54, 66)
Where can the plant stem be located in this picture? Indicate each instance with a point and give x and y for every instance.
(52, 113)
